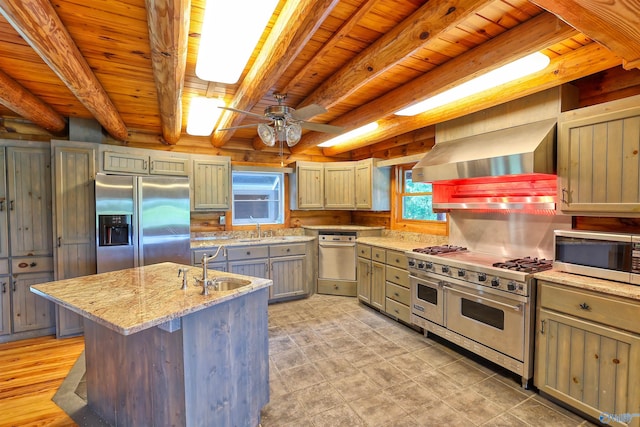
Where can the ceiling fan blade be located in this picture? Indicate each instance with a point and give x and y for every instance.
(248, 113)
(307, 112)
(321, 127)
(239, 127)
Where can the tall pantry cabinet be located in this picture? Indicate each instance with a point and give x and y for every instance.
(25, 238)
(74, 171)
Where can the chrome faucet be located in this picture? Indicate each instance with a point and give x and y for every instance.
(258, 229)
(206, 282)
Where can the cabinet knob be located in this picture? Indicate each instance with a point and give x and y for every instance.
(4, 287)
(585, 306)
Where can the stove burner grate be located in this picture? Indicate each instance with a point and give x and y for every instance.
(441, 249)
(526, 264)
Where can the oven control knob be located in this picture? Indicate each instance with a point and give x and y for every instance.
(511, 286)
(482, 277)
(420, 265)
(461, 273)
(445, 269)
(429, 266)
(495, 282)
(412, 263)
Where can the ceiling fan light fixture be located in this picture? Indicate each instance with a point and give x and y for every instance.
(529, 64)
(230, 32)
(293, 134)
(267, 134)
(203, 115)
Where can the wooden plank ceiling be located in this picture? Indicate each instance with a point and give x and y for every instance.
(130, 64)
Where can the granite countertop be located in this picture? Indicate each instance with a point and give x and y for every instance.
(400, 244)
(134, 299)
(624, 290)
(205, 242)
(342, 227)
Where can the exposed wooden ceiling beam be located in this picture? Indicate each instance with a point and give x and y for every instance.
(418, 30)
(530, 36)
(614, 24)
(582, 62)
(37, 22)
(337, 36)
(293, 29)
(17, 98)
(168, 22)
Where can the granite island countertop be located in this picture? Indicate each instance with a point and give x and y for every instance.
(610, 287)
(131, 300)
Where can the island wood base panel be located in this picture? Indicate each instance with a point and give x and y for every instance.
(212, 371)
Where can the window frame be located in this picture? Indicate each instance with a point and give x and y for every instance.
(281, 201)
(440, 228)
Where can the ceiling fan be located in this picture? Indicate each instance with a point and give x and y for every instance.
(287, 123)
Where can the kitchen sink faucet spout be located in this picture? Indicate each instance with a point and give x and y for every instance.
(205, 259)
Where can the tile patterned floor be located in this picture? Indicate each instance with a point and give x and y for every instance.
(336, 362)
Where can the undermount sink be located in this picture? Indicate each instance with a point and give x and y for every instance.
(229, 283)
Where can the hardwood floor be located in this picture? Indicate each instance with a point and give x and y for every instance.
(30, 373)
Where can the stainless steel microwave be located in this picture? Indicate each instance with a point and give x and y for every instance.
(611, 256)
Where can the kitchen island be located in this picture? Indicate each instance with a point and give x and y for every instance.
(157, 354)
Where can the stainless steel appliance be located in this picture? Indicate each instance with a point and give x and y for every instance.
(337, 259)
(141, 221)
(610, 256)
(482, 302)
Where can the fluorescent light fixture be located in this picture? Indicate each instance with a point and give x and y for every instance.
(350, 135)
(203, 115)
(509, 72)
(230, 31)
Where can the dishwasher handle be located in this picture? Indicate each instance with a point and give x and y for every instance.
(337, 244)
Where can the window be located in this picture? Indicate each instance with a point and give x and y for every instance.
(413, 207)
(257, 197)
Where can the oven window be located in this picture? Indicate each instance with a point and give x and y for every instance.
(483, 313)
(427, 294)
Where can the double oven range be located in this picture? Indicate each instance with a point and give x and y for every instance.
(482, 302)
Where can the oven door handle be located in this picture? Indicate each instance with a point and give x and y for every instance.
(512, 307)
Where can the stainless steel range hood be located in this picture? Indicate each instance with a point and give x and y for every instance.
(517, 150)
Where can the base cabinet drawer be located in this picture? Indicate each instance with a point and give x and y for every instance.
(398, 293)
(335, 287)
(593, 307)
(397, 276)
(400, 311)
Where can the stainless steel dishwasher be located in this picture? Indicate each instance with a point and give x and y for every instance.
(337, 263)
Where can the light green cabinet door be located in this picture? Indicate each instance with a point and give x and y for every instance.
(378, 285)
(310, 185)
(339, 186)
(30, 311)
(363, 275)
(590, 367)
(211, 179)
(288, 276)
(125, 162)
(29, 190)
(598, 165)
(74, 223)
(160, 165)
(5, 305)
(364, 183)
(4, 225)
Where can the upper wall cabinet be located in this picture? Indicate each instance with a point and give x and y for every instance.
(340, 185)
(307, 186)
(599, 160)
(210, 180)
(142, 163)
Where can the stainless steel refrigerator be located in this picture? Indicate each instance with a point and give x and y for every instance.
(141, 221)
